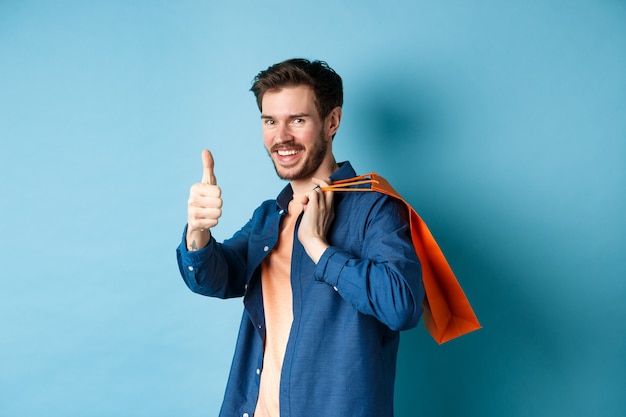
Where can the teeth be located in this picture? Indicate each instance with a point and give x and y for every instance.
(287, 153)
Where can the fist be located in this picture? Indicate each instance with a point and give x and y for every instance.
(316, 220)
(204, 206)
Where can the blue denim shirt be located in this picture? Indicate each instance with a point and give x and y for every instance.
(347, 310)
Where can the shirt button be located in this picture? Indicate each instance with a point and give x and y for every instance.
(260, 326)
(335, 288)
(258, 372)
(245, 415)
(281, 211)
(190, 268)
(266, 248)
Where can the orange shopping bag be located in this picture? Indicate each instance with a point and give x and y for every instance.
(447, 312)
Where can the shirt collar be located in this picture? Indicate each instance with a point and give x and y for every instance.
(345, 171)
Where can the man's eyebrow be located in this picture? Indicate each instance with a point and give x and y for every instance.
(291, 116)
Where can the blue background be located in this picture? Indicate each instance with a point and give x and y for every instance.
(502, 123)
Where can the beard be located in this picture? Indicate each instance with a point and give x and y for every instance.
(312, 161)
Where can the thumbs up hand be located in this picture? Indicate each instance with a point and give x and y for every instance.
(204, 206)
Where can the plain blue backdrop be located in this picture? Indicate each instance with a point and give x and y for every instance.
(502, 123)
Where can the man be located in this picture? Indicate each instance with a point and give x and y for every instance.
(327, 280)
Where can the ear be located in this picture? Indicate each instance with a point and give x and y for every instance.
(332, 122)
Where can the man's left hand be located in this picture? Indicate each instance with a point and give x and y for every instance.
(316, 220)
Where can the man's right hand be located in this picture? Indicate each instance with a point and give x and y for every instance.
(204, 207)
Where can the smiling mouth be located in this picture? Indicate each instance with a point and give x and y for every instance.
(287, 152)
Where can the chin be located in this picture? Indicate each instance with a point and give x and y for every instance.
(289, 174)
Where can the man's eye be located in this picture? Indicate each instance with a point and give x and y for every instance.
(269, 122)
(298, 121)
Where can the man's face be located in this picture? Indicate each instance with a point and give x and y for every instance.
(293, 133)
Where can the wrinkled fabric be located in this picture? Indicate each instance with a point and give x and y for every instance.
(348, 309)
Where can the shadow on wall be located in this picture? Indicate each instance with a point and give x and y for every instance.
(411, 131)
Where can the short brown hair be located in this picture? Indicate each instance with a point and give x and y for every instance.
(324, 81)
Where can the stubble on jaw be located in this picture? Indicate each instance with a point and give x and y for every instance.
(310, 165)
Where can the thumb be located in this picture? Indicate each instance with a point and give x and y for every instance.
(208, 176)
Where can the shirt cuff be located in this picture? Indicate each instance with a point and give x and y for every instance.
(330, 265)
(193, 258)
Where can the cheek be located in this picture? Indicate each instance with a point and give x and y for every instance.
(313, 137)
(268, 139)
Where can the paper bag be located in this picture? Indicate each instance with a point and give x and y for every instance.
(447, 312)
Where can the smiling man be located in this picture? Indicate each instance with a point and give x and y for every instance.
(327, 281)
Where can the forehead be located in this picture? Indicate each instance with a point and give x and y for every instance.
(289, 100)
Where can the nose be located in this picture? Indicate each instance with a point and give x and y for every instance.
(282, 134)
